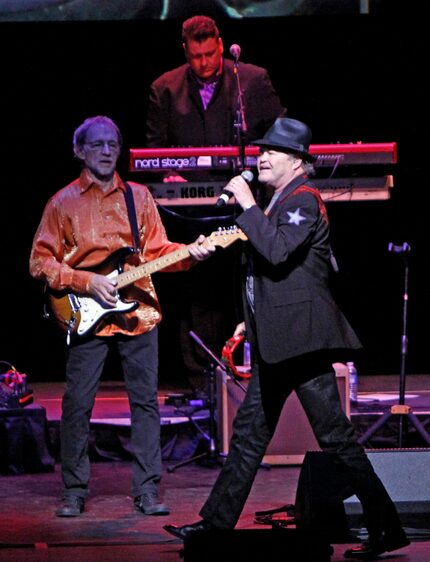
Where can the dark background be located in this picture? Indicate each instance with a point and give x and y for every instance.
(98, 10)
(351, 78)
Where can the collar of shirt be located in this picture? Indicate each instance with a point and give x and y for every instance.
(86, 180)
(272, 202)
(207, 88)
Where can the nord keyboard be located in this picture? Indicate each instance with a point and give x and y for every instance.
(332, 189)
(228, 157)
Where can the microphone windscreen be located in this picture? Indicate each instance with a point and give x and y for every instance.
(247, 175)
(235, 51)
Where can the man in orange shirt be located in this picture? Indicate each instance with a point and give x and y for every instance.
(84, 227)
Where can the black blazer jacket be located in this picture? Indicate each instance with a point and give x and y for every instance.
(295, 312)
(176, 116)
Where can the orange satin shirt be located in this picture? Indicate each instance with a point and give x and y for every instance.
(82, 226)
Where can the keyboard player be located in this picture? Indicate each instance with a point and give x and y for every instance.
(197, 103)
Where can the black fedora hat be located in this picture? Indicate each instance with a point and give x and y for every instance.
(288, 135)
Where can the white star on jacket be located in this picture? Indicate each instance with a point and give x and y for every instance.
(296, 218)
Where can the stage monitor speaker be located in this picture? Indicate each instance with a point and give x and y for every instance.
(324, 500)
(293, 436)
(406, 476)
(270, 545)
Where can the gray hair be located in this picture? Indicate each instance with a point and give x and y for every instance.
(80, 133)
(309, 168)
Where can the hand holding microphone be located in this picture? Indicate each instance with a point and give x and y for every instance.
(239, 188)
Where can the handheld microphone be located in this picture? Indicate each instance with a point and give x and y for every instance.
(247, 175)
(235, 51)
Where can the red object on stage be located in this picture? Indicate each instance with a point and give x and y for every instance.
(213, 157)
(228, 359)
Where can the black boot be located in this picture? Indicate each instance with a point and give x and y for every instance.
(186, 530)
(376, 545)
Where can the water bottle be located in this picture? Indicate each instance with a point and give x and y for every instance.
(247, 356)
(353, 382)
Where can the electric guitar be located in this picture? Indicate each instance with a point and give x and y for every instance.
(78, 315)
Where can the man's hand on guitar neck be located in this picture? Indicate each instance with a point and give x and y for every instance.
(103, 289)
(201, 249)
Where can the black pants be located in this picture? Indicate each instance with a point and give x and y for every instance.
(315, 384)
(85, 360)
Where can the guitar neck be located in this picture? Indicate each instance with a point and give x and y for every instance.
(128, 277)
(221, 238)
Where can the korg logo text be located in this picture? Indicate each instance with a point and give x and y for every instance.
(194, 192)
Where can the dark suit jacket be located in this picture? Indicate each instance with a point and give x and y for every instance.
(176, 116)
(295, 312)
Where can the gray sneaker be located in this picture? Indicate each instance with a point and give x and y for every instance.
(72, 506)
(149, 503)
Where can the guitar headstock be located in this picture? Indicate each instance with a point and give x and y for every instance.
(225, 236)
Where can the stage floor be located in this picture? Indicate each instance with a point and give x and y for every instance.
(111, 530)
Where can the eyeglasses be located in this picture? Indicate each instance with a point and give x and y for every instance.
(98, 146)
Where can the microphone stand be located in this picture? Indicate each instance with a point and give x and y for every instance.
(401, 410)
(212, 451)
(240, 122)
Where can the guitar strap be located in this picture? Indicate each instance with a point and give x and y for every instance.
(131, 210)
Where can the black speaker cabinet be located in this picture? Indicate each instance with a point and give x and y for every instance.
(406, 475)
(293, 436)
(268, 545)
(324, 501)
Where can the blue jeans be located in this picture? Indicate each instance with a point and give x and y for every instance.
(84, 365)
